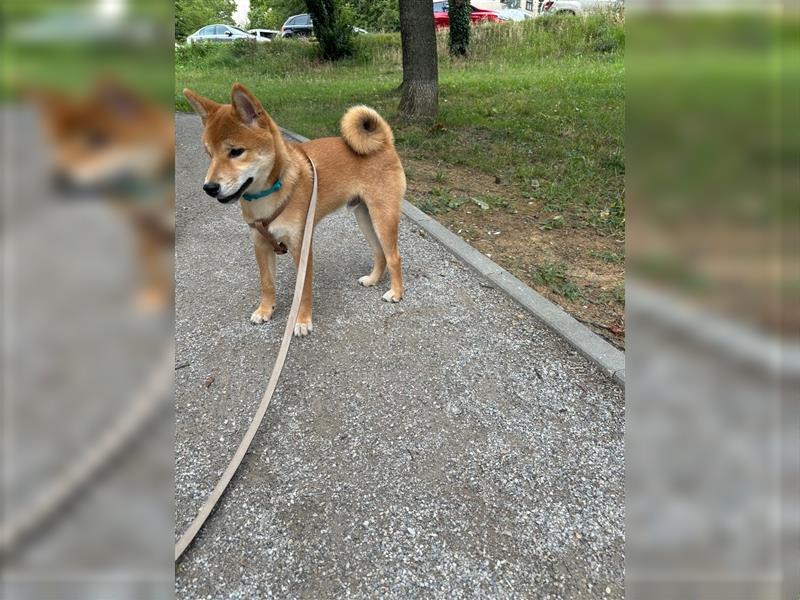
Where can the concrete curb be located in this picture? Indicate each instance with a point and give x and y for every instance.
(580, 337)
(740, 342)
(588, 343)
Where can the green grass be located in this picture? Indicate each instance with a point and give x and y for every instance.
(555, 277)
(556, 222)
(73, 68)
(441, 200)
(539, 104)
(609, 257)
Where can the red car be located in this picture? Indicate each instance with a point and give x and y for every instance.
(477, 15)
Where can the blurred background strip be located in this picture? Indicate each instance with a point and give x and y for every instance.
(87, 239)
(712, 486)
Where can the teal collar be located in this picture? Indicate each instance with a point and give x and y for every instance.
(256, 195)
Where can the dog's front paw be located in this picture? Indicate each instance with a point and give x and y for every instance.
(392, 296)
(368, 280)
(303, 328)
(151, 300)
(261, 314)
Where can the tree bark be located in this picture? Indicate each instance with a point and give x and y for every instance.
(420, 88)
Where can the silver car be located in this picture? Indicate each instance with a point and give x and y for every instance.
(219, 33)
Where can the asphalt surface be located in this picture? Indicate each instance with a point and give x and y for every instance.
(449, 446)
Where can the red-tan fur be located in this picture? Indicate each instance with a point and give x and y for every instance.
(363, 165)
(131, 126)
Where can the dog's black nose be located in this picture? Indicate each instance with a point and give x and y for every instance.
(211, 188)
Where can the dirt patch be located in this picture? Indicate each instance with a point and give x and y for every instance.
(563, 256)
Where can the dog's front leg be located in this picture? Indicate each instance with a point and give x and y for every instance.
(304, 324)
(265, 257)
(155, 251)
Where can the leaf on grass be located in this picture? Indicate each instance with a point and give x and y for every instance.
(482, 203)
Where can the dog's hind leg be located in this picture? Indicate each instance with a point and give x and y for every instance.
(386, 221)
(379, 262)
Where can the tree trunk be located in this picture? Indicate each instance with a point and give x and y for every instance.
(420, 88)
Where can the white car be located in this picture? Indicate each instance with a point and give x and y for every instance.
(576, 7)
(265, 35)
(512, 14)
(219, 33)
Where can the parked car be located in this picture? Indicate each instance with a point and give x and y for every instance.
(576, 7)
(265, 35)
(303, 26)
(219, 33)
(441, 18)
(298, 26)
(513, 14)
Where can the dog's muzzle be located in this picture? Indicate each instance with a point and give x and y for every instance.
(236, 195)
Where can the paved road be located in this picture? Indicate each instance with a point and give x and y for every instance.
(448, 446)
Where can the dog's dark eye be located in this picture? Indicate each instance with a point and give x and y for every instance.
(236, 152)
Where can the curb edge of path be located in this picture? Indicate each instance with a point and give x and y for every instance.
(584, 340)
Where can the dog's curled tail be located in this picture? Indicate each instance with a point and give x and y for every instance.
(365, 131)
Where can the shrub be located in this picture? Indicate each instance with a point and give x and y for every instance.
(525, 42)
(459, 27)
(333, 26)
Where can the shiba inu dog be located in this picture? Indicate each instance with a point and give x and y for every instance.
(115, 144)
(271, 178)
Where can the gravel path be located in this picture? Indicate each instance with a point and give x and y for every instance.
(448, 446)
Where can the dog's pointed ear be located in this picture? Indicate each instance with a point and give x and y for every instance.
(204, 107)
(247, 106)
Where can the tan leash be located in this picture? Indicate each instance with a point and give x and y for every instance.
(146, 405)
(244, 445)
